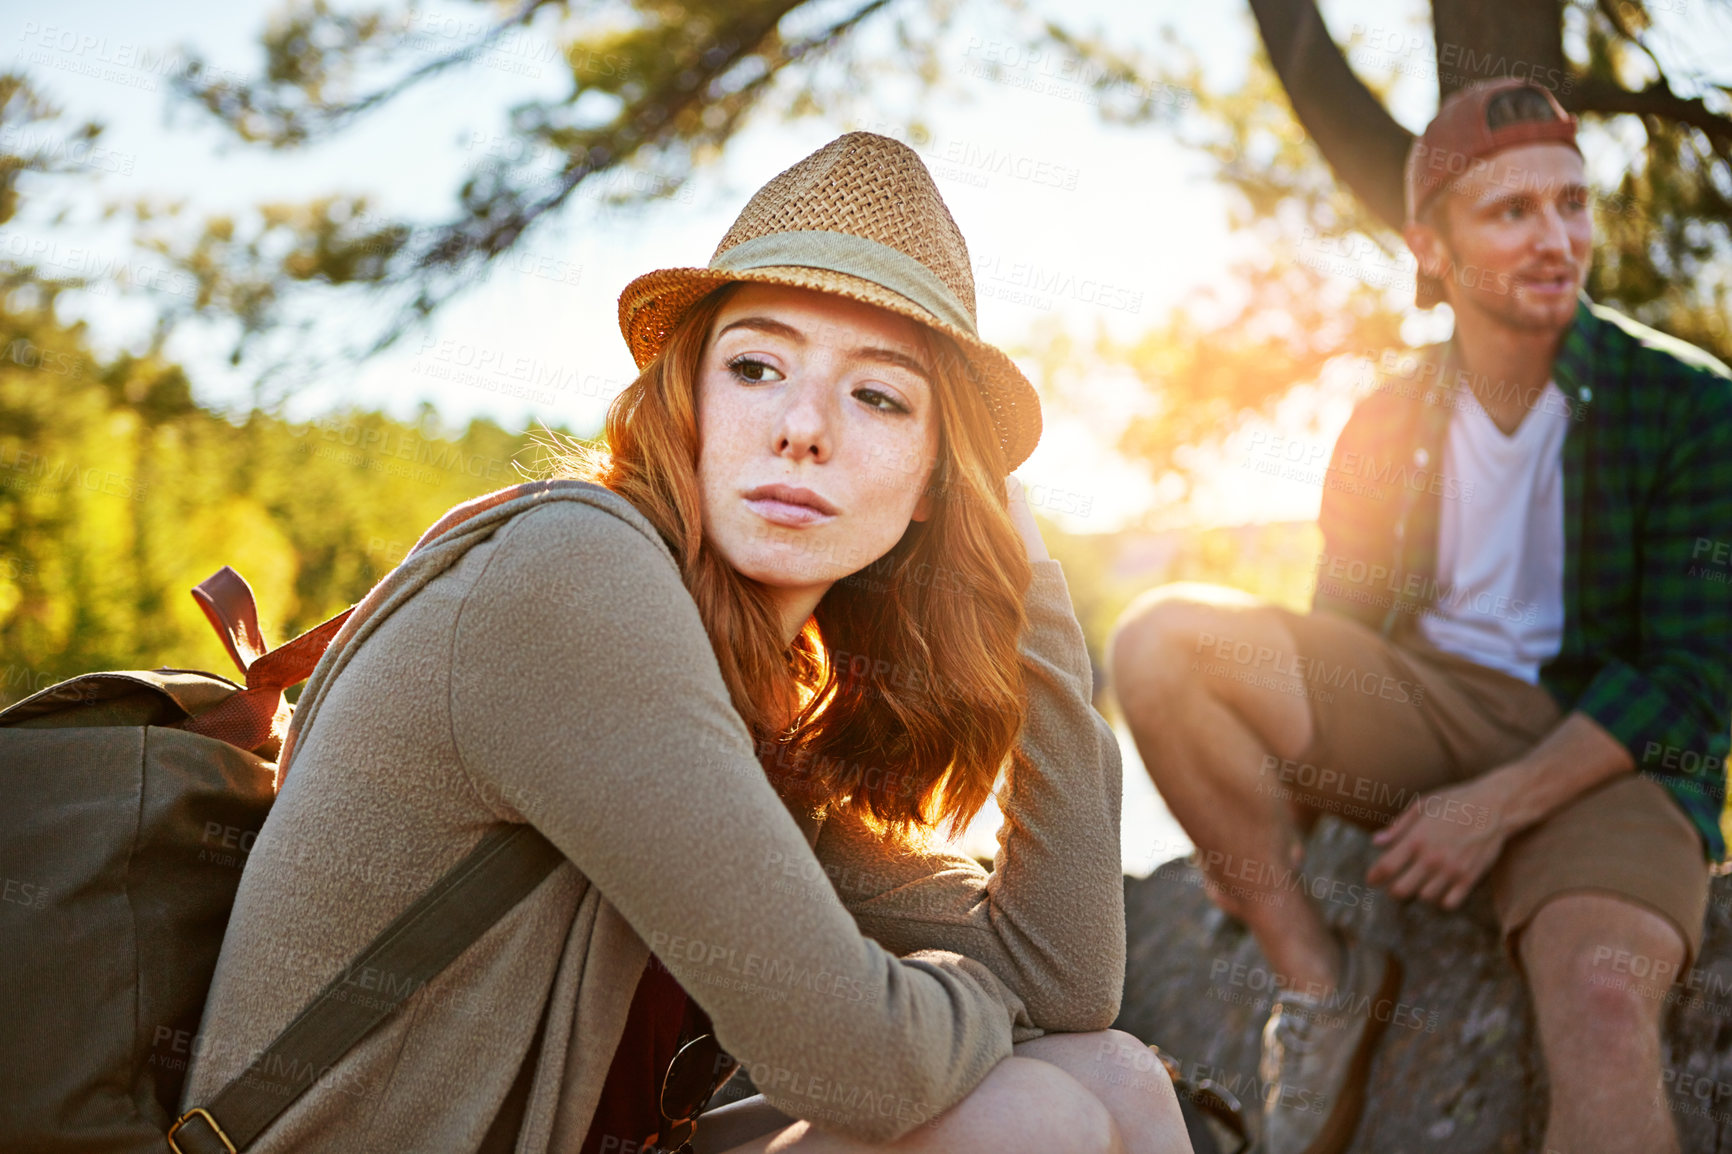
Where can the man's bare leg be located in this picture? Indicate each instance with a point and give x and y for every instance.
(1599, 1027)
(1205, 738)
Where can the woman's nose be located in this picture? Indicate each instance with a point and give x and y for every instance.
(803, 425)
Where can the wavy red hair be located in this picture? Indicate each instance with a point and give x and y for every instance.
(907, 686)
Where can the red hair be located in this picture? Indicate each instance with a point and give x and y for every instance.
(907, 685)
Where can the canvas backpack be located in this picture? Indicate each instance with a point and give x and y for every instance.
(129, 801)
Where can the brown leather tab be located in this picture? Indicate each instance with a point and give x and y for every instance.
(292, 662)
(227, 600)
(256, 718)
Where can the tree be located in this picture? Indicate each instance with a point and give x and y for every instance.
(1670, 219)
(119, 492)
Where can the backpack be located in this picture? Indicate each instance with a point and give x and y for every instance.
(130, 801)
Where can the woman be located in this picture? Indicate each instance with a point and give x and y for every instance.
(735, 680)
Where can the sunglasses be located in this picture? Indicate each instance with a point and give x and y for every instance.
(1218, 1104)
(695, 1074)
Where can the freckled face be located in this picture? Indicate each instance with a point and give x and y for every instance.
(817, 434)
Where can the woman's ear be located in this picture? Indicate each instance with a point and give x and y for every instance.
(923, 507)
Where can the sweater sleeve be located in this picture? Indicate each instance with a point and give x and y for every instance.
(585, 700)
(1049, 919)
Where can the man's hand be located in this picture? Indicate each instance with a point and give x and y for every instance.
(1443, 843)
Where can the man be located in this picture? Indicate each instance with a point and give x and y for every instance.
(1518, 661)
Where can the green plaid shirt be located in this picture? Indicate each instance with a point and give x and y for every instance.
(1647, 460)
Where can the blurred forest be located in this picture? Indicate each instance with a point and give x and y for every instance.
(119, 490)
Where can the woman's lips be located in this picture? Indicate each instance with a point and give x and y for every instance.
(786, 513)
(789, 505)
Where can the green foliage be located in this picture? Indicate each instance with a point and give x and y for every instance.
(118, 493)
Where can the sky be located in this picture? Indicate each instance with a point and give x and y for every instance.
(1125, 220)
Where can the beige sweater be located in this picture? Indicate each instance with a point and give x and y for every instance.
(544, 664)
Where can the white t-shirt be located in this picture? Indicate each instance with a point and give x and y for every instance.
(1500, 547)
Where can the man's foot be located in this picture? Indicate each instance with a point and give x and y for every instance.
(1317, 1053)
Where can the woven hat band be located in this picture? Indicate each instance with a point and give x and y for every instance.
(855, 256)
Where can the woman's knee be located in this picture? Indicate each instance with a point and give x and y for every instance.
(1125, 1075)
(1030, 1105)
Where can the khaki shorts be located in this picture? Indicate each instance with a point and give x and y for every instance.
(1394, 720)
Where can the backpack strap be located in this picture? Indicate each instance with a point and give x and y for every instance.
(460, 907)
(254, 719)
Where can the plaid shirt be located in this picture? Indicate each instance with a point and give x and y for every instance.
(1647, 461)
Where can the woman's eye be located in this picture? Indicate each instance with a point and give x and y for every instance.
(880, 400)
(752, 369)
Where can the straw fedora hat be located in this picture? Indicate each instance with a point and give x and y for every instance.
(862, 219)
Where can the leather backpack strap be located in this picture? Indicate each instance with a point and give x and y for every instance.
(227, 600)
(460, 907)
(254, 719)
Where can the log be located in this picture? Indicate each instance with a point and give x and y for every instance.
(1458, 1068)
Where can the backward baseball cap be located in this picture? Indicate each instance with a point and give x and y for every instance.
(1470, 127)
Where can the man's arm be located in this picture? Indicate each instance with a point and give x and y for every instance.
(1572, 759)
(1442, 844)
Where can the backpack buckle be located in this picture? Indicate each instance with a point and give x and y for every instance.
(198, 1112)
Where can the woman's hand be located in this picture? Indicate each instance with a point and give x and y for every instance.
(1023, 518)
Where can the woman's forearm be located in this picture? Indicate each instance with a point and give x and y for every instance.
(1049, 918)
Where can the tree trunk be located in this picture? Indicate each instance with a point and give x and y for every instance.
(1360, 140)
(1487, 39)
(1458, 1066)
(1366, 148)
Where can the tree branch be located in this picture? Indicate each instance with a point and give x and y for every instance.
(1591, 94)
(1363, 144)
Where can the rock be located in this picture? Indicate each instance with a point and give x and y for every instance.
(1458, 1068)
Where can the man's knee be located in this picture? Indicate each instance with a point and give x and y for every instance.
(1162, 635)
(1600, 963)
